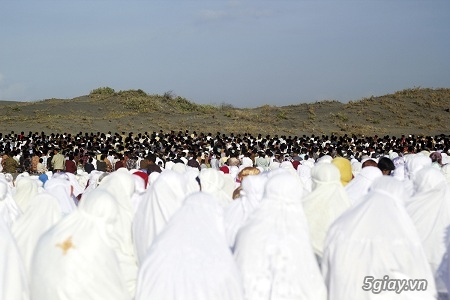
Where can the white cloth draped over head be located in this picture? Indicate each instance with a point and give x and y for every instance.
(13, 277)
(414, 163)
(61, 188)
(429, 209)
(190, 259)
(76, 259)
(43, 212)
(273, 249)
(327, 201)
(212, 182)
(375, 238)
(446, 171)
(9, 210)
(163, 198)
(77, 188)
(304, 172)
(359, 186)
(237, 213)
(26, 188)
(400, 168)
(120, 183)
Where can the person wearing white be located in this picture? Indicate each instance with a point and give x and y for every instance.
(414, 163)
(61, 188)
(76, 260)
(273, 250)
(327, 201)
(9, 210)
(359, 186)
(120, 183)
(375, 238)
(26, 188)
(213, 182)
(304, 172)
(429, 209)
(163, 198)
(238, 212)
(190, 259)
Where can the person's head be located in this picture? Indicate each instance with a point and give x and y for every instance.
(386, 166)
(369, 162)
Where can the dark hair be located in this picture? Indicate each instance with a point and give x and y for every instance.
(385, 164)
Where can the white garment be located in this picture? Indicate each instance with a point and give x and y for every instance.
(414, 163)
(76, 258)
(61, 188)
(26, 188)
(304, 172)
(121, 185)
(43, 212)
(237, 213)
(429, 209)
(163, 198)
(13, 278)
(9, 210)
(327, 201)
(359, 186)
(273, 249)
(375, 238)
(190, 259)
(212, 182)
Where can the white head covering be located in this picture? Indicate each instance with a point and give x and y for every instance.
(375, 238)
(76, 258)
(327, 201)
(61, 188)
(212, 182)
(356, 168)
(359, 186)
(190, 259)
(26, 188)
(414, 163)
(77, 188)
(237, 213)
(9, 210)
(446, 171)
(400, 168)
(304, 172)
(13, 277)
(325, 159)
(43, 212)
(273, 250)
(429, 209)
(163, 199)
(120, 183)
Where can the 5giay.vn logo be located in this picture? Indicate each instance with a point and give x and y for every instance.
(377, 286)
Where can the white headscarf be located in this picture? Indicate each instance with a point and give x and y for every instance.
(273, 249)
(163, 198)
(190, 259)
(76, 258)
(26, 188)
(327, 201)
(9, 210)
(237, 213)
(359, 186)
(43, 212)
(212, 182)
(13, 277)
(61, 188)
(304, 172)
(375, 238)
(429, 209)
(414, 163)
(120, 183)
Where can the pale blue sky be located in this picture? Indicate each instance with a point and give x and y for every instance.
(244, 53)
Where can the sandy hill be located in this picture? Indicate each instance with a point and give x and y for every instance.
(420, 111)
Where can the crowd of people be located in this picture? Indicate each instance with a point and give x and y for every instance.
(187, 215)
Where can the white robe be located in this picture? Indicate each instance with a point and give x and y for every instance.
(359, 186)
(273, 250)
(43, 212)
(26, 188)
(213, 182)
(13, 278)
(9, 210)
(327, 201)
(76, 258)
(190, 259)
(61, 188)
(238, 212)
(375, 238)
(429, 209)
(163, 198)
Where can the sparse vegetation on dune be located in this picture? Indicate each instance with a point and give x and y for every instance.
(417, 110)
